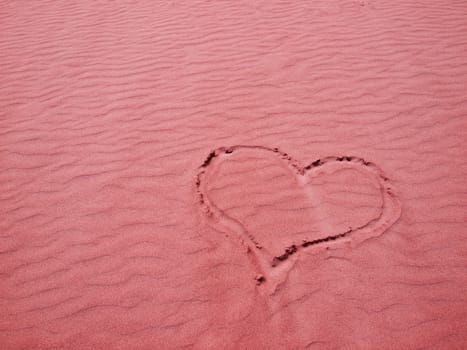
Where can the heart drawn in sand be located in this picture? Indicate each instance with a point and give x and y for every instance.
(277, 208)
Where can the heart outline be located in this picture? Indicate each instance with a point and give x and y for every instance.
(390, 213)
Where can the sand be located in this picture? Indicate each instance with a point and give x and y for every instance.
(233, 175)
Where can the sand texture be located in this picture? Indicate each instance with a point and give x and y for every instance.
(233, 175)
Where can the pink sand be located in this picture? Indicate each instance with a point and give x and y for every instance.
(108, 110)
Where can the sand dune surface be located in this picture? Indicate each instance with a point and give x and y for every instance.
(233, 175)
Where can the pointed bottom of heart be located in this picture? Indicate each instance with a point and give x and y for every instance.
(276, 207)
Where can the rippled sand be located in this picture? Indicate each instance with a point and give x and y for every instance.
(132, 216)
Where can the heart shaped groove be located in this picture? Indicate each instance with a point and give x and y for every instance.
(320, 209)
